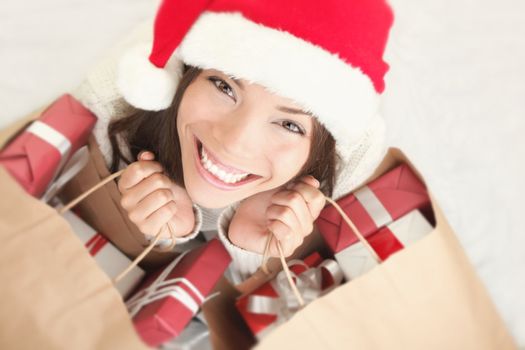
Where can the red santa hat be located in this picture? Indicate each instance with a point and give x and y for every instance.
(327, 56)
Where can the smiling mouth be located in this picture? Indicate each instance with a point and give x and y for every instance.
(228, 176)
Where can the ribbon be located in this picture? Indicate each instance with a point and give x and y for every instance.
(63, 146)
(96, 243)
(51, 136)
(309, 284)
(196, 336)
(77, 162)
(373, 206)
(162, 288)
(54, 138)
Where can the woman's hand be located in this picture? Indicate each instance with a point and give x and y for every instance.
(288, 212)
(152, 200)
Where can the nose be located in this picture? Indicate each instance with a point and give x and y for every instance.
(239, 133)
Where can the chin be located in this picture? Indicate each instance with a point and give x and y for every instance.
(211, 201)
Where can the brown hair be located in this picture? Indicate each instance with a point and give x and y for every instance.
(157, 132)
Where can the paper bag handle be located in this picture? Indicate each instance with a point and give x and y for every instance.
(355, 229)
(286, 270)
(145, 252)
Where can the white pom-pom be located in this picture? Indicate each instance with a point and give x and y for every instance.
(142, 84)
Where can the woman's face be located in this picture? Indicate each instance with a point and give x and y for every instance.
(237, 139)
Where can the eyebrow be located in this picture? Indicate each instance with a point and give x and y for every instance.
(280, 108)
(293, 110)
(238, 82)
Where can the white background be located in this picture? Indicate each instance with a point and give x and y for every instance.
(455, 103)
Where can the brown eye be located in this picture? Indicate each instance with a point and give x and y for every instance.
(223, 87)
(292, 127)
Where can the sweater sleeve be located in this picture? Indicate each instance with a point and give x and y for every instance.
(164, 242)
(244, 262)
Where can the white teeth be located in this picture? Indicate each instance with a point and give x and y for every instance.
(218, 172)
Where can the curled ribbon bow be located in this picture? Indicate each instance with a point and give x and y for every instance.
(309, 284)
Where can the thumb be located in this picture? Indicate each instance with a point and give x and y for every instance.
(310, 180)
(145, 155)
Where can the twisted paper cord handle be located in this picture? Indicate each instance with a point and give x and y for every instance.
(286, 270)
(264, 267)
(354, 228)
(88, 192)
(145, 252)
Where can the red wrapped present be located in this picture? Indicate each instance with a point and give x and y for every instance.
(111, 260)
(273, 303)
(356, 259)
(373, 206)
(168, 300)
(36, 156)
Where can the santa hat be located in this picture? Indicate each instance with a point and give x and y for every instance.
(324, 55)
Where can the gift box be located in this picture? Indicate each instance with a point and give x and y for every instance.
(167, 301)
(196, 336)
(373, 206)
(356, 259)
(108, 258)
(274, 302)
(35, 157)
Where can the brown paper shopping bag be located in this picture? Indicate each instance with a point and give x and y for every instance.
(102, 210)
(53, 294)
(426, 296)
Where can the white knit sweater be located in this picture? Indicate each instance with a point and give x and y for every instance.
(99, 93)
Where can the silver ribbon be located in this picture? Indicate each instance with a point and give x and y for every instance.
(196, 336)
(55, 139)
(162, 288)
(373, 206)
(51, 136)
(285, 305)
(77, 162)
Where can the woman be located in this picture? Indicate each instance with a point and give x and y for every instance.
(251, 108)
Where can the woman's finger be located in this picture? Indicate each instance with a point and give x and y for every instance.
(310, 180)
(136, 172)
(295, 201)
(313, 198)
(280, 230)
(145, 155)
(154, 222)
(150, 203)
(132, 197)
(288, 244)
(283, 214)
(285, 228)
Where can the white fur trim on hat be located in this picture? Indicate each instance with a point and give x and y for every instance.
(142, 84)
(341, 96)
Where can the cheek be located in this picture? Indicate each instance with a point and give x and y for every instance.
(192, 107)
(289, 159)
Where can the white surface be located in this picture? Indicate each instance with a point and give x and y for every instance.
(455, 103)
